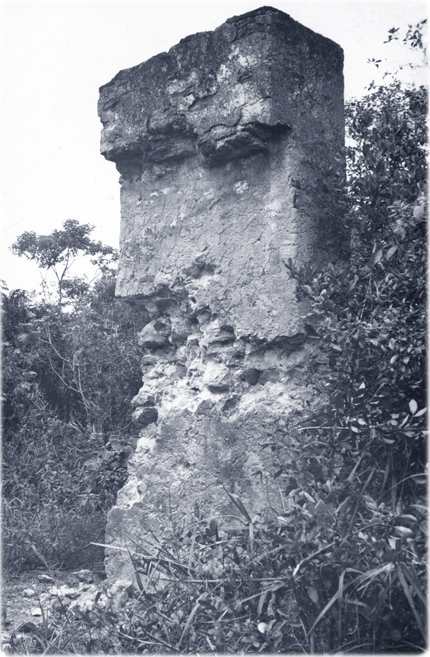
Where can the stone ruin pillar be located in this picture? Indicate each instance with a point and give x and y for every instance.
(230, 150)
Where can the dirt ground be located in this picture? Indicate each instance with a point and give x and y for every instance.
(18, 605)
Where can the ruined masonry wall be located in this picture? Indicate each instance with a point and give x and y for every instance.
(230, 149)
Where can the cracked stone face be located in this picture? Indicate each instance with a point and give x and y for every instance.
(230, 149)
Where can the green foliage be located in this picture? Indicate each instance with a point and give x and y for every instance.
(386, 159)
(204, 586)
(83, 364)
(45, 489)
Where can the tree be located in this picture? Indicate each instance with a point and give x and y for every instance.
(68, 379)
(58, 251)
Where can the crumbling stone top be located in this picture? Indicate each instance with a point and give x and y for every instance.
(221, 94)
(228, 147)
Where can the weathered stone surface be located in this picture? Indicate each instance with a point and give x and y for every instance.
(84, 575)
(225, 144)
(230, 149)
(29, 593)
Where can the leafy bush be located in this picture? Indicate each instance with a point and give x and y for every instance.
(47, 514)
(68, 378)
(308, 579)
(368, 455)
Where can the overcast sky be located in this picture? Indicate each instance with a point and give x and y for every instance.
(56, 54)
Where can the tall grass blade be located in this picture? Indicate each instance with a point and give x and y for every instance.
(367, 578)
(261, 602)
(328, 606)
(251, 539)
(193, 541)
(359, 498)
(188, 623)
(163, 561)
(332, 600)
(354, 469)
(387, 471)
(312, 556)
(238, 504)
(136, 572)
(408, 595)
(340, 591)
(415, 583)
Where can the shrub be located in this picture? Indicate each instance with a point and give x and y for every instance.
(68, 379)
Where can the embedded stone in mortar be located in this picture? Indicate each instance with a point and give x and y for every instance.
(230, 148)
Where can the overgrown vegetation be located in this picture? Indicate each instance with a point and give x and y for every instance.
(70, 369)
(340, 564)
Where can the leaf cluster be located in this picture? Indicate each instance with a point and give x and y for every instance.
(370, 316)
(307, 576)
(58, 251)
(60, 245)
(68, 379)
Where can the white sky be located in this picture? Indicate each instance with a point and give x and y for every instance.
(56, 54)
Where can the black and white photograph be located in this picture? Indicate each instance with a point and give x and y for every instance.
(214, 327)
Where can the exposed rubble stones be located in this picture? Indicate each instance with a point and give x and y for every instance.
(86, 597)
(70, 601)
(230, 149)
(84, 575)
